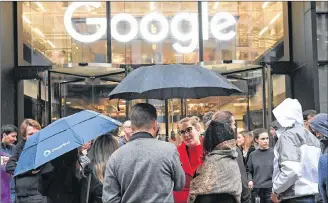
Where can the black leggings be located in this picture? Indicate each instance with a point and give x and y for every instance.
(215, 198)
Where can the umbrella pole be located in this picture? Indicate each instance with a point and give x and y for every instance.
(167, 119)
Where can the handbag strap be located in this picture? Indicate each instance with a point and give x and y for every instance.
(88, 188)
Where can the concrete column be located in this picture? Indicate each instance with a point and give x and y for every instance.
(305, 84)
(7, 79)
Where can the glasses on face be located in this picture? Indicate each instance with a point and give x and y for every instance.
(187, 130)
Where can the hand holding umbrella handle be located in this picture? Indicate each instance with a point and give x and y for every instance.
(175, 141)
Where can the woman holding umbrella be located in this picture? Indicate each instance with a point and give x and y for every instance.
(190, 152)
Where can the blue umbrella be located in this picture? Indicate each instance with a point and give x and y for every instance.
(63, 136)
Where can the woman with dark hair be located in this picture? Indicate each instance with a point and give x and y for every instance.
(60, 184)
(217, 180)
(260, 167)
(227, 117)
(92, 183)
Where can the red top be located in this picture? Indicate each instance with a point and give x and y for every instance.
(191, 159)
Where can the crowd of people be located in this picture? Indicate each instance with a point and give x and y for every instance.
(209, 162)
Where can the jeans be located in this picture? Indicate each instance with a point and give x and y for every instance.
(263, 193)
(32, 199)
(13, 197)
(305, 199)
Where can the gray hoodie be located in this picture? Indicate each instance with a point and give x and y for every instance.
(297, 154)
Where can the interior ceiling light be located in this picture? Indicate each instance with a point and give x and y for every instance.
(263, 31)
(38, 32)
(216, 5)
(51, 44)
(40, 6)
(26, 19)
(152, 6)
(265, 4)
(274, 19)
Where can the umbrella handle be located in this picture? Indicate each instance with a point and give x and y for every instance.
(88, 188)
(118, 105)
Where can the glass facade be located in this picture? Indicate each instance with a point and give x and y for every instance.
(147, 32)
(322, 39)
(59, 33)
(258, 28)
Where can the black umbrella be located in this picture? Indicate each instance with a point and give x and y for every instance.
(172, 81)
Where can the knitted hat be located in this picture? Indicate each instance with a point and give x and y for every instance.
(320, 124)
(219, 132)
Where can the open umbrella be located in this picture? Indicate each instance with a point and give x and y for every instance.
(172, 81)
(63, 136)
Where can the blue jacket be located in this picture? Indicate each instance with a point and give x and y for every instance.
(9, 149)
(323, 171)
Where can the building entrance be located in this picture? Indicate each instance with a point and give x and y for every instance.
(64, 90)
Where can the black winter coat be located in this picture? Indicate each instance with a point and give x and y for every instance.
(29, 183)
(246, 194)
(95, 191)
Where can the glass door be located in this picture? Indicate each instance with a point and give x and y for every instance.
(79, 87)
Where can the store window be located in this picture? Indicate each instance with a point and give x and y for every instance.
(322, 30)
(154, 32)
(43, 37)
(257, 28)
(322, 6)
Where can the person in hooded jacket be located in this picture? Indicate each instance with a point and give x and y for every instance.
(92, 183)
(319, 125)
(217, 180)
(297, 151)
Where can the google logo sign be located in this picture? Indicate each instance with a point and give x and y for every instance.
(217, 26)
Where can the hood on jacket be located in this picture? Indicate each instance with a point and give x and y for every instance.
(289, 113)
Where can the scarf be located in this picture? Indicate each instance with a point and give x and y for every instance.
(219, 173)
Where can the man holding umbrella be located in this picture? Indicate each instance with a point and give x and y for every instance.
(27, 184)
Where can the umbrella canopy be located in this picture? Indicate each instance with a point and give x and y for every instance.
(172, 81)
(63, 136)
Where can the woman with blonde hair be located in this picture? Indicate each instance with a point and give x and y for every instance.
(245, 142)
(190, 152)
(92, 183)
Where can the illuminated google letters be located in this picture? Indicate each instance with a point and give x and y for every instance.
(219, 22)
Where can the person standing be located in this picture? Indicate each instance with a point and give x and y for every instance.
(308, 115)
(297, 151)
(218, 179)
(190, 153)
(7, 146)
(27, 184)
(102, 148)
(260, 167)
(207, 118)
(227, 117)
(274, 127)
(145, 169)
(127, 133)
(319, 124)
